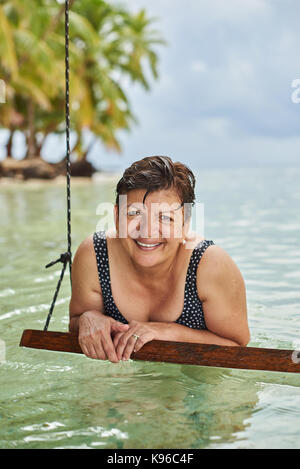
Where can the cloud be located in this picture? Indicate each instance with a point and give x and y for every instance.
(198, 66)
(225, 88)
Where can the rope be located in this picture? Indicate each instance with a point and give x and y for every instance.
(66, 257)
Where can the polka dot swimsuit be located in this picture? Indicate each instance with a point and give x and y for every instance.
(192, 314)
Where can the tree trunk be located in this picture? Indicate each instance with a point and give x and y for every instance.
(31, 144)
(9, 144)
(39, 145)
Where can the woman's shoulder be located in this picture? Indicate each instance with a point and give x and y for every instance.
(216, 264)
(89, 244)
(84, 265)
(85, 250)
(217, 267)
(194, 240)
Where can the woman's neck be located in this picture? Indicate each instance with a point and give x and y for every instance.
(151, 276)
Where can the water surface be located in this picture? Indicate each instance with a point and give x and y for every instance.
(59, 400)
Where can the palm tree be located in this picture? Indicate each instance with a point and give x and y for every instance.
(28, 67)
(107, 43)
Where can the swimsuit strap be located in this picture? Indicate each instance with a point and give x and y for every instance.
(192, 314)
(100, 247)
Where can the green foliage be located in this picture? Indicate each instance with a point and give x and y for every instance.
(108, 45)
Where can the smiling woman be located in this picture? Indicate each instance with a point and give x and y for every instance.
(144, 281)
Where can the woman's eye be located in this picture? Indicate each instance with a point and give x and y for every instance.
(133, 213)
(165, 218)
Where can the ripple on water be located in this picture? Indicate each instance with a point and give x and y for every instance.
(7, 292)
(39, 308)
(47, 435)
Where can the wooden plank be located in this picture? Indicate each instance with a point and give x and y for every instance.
(49, 340)
(248, 358)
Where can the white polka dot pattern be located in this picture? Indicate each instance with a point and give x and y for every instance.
(192, 314)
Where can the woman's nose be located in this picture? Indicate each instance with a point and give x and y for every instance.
(149, 227)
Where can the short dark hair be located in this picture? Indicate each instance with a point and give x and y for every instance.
(154, 173)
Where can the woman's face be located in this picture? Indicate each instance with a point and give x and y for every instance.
(150, 232)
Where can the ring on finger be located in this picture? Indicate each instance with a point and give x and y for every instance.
(135, 336)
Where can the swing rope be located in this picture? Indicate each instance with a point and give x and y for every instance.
(66, 257)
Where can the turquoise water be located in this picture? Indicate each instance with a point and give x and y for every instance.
(59, 400)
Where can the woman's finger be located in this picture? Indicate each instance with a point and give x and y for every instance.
(84, 349)
(142, 340)
(130, 346)
(99, 351)
(109, 349)
(88, 350)
(93, 353)
(84, 346)
(122, 343)
(117, 338)
(117, 326)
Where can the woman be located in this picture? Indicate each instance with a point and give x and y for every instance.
(144, 280)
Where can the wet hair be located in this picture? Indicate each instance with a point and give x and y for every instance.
(154, 173)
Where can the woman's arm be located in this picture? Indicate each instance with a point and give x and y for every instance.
(125, 343)
(87, 316)
(222, 291)
(179, 333)
(86, 291)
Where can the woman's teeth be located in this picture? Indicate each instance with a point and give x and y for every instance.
(147, 245)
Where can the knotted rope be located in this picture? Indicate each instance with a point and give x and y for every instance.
(66, 257)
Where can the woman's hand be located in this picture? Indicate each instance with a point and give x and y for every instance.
(138, 334)
(95, 335)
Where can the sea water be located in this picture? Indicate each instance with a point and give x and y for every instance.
(61, 400)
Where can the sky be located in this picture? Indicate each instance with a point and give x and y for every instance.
(227, 94)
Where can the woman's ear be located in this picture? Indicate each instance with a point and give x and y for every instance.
(116, 216)
(189, 237)
(186, 227)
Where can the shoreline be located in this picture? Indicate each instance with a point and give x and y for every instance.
(60, 180)
(36, 171)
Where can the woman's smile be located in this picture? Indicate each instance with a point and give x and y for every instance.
(145, 245)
